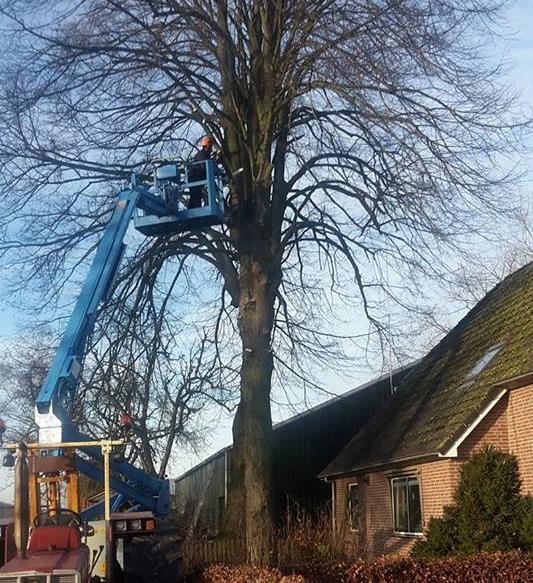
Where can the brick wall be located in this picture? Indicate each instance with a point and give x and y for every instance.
(492, 430)
(378, 525)
(520, 431)
(355, 540)
(340, 500)
(376, 536)
(507, 426)
(438, 481)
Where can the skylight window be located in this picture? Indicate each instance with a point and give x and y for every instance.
(484, 361)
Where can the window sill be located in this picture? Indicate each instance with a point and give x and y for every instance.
(408, 534)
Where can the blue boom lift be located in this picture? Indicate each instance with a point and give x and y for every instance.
(158, 207)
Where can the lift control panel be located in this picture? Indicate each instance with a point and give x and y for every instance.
(191, 198)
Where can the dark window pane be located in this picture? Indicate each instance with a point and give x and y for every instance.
(399, 492)
(406, 504)
(415, 510)
(353, 506)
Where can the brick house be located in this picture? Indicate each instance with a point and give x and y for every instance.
(474, 388)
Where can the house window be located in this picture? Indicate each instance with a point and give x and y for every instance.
(354, 507)
(483, 361)
(406, 506)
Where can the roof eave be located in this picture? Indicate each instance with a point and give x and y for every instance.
(450, 450)
(504, 386)
(516, 382)
(381, 464)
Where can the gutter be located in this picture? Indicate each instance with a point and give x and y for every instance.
(328, 477)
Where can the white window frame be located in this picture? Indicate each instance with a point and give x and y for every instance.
(406, 477)
(350, 486)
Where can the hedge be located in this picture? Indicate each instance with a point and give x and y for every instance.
(244, 574)
(511, 567)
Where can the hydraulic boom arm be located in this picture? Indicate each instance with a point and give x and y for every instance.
(157, 211)
(62, 379)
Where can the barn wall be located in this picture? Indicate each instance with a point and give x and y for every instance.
(199, 495)
(302, 447)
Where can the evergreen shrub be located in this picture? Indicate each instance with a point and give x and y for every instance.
(489, 513)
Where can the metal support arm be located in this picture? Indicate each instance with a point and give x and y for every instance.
(63, 376)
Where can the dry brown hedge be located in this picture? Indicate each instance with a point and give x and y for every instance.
(244, 574)
(510, 567)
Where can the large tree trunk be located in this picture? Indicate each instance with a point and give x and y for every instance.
(248, 512)
(254, 236)
(253, 423)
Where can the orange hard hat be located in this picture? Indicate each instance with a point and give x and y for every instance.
(125, 420)
(206, 142)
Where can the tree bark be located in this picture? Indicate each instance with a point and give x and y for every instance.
(255, 323)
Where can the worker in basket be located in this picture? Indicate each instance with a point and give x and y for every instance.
(3, 428)
(197, 170)
(125, 423)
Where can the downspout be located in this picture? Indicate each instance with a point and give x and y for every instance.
(225, 478)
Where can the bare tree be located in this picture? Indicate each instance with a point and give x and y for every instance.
(163, 393)
(22, 373)
(144, 363)
(370, 134)
(470, 279)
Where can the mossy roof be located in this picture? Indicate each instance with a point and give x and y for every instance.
(437, 401)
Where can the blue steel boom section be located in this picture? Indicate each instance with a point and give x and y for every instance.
(157, 209)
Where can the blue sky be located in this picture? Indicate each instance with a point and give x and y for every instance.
(519, 56)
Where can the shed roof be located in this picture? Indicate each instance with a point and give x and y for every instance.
(448, 389)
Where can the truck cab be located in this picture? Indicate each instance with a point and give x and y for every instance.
(55, 552)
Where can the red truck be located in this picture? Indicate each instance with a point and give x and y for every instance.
(55, 553)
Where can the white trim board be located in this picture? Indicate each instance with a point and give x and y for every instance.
(452, 451)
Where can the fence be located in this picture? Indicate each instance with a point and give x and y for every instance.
(227, 551)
